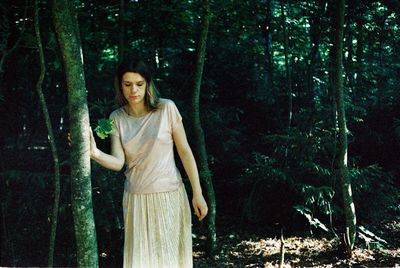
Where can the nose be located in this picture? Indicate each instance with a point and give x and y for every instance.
(134, 88)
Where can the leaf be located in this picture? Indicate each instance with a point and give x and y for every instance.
(367, 235)
(104, 128)
(306, 212)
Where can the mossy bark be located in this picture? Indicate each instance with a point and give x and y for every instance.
(67, 29)
(200, 144)
(342, 171)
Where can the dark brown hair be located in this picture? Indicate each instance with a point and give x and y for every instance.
(134, 64)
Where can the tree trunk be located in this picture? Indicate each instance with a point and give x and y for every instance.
(313, 57)
(200, 145)
(349, 66)
(122, 31)
(360, 36)
(342, 153)
(66, 27)
(268, 65)
(331, 120)
(54, 217)
(288, 78)
(287, 68)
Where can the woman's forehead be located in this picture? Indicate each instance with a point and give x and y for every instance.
(132, 77)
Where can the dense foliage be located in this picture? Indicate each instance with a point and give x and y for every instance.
(267, 175)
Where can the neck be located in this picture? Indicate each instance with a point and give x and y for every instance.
(137, 110)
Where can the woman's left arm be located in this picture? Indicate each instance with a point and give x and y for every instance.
(189, 163)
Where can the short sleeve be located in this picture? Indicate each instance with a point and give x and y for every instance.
(116, 129)
(174, 116)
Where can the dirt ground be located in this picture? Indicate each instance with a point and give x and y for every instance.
(240, 250)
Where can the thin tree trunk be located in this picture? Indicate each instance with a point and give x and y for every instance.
(122, 30)
(282, 252)
(348, 63)
(200, 144)
(382, 82)
(268, 64)
(360, 36)
(54, 217)
(349, 67)
(81, 189)
(312, 63)
(341, 161)
(332, 119)
(288, 78)
(287, 68)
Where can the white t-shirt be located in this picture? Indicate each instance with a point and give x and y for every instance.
(149, 148)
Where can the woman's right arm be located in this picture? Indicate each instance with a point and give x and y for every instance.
(115, 161)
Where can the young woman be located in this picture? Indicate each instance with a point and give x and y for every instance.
(156, 209)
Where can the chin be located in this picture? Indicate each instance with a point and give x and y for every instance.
(136, 101)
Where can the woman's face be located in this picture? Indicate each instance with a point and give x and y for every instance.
(133, 87)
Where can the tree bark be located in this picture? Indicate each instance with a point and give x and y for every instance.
(360, 36)
(342, 151)
(288, 77)
(313, 57)
(68, 37)
(268, 63)
(350, 33)
(122, 31)
(282, 252)
(54, 217)
(287, 68)
(200, 145)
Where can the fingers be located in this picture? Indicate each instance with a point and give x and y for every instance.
(197, 212)
(203, 213)
(200, 208)
(91, 135)
(92, 140)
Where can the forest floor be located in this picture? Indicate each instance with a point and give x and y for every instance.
(241, 250)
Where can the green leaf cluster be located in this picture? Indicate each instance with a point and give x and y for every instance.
(104, 128)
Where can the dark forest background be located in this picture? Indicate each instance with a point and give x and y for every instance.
(267, 177)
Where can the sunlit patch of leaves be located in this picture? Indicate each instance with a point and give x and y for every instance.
(244, 251)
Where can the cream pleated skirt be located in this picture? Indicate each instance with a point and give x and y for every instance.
(158, 230)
